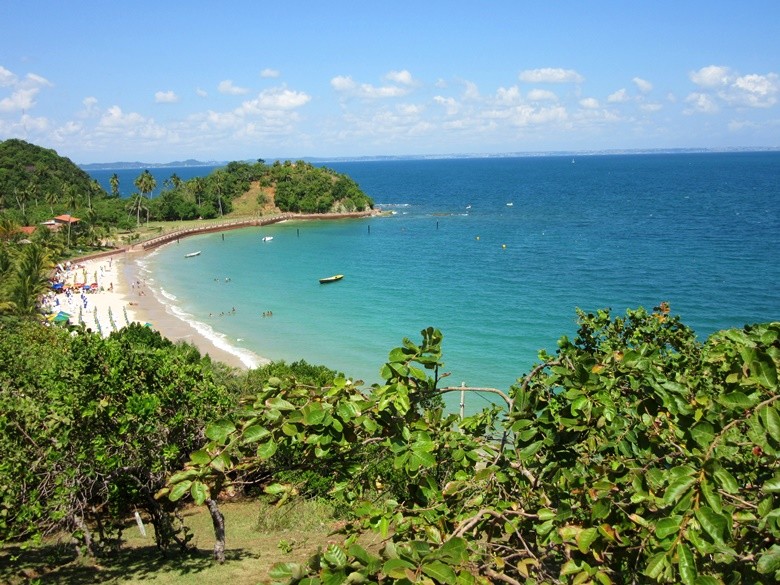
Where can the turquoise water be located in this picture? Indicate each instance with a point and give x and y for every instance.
(701, 231)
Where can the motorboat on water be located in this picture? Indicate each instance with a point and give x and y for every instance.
(333, 278)
(192, 254)
(267, 238)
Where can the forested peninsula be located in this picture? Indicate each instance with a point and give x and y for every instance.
(633, 452)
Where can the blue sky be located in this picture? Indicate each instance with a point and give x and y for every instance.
(157, 81)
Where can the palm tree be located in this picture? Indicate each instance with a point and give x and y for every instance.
(146, 183)
(114, 182)
(197, 186)
(137, 204)
(29, 279)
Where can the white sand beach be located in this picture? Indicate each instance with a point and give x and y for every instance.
(115, 296)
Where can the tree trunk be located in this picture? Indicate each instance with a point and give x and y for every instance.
(219, 530)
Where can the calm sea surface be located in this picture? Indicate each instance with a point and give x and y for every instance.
(496, 253)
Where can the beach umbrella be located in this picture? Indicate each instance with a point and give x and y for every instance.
(61, 317)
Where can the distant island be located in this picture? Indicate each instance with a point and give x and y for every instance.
(142, 165)
(465, 155)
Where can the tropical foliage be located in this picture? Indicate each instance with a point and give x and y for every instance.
(90, 428)
(634, 454)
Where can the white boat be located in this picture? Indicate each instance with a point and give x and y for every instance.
(192, 254)
(267, 238)
(510, 204)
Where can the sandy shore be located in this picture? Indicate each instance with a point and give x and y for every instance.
(121, 297)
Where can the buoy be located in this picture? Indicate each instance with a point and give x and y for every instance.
(477, 237)
(503, 246)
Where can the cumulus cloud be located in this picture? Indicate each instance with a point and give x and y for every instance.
(508, 96)
(542, 95)
(589, 103)
(643, 85)
(721, 84)
(700, 102)
(402, 77)
(349, 87)
(551, 75)
(201, 92)
(23, 91)
(712, 76)
(279, 98)
(166, 97)
(6, 77)
(269, 73)
(450, 105)
(228, 88)
(619, 97)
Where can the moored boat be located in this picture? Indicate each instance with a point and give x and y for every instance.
(192, 254)
(333, 278)
(267, 238)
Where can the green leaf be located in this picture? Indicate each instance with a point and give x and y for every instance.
(266, 450)
(585, 538)
(769, 561)
(313, 414)
(713, 523)
(707, 580)
(200, 457)
(668, 526)
(200, 492)
(283, 571)
(179, 490)
(396, 568)
(772, 422)
(772, 486)
(219, 430)
(686, 564)
(725, 480)
(254, 433)
(736, 401)
(656, 565)
(276, 488)
(277, 403)
(454, 550)
(335, 556)
(438, 570)
(677, 489)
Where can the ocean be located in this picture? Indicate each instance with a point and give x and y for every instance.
(495, 252)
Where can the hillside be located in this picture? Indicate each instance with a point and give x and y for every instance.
(37, 171)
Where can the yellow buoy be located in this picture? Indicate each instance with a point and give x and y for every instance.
(503, 246)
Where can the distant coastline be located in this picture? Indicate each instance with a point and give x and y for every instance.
(527, 154)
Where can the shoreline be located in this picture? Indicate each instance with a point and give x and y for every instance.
(148, 308)
(130, 299)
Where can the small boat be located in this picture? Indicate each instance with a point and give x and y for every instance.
(333, 278)
(267, 238)
(192, 254)
(510, 204)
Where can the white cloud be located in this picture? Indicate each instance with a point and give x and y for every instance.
(542, 95)
(6, 77)
(402, 77)
(589, 103)
(347, 86)
(166, 97)
(21, 99)
(721, 84)
(643, 85)
(279, 98)
(268, 72)
(650, 108)
(508, 96)
(700, 102)
(619, 97)
(712, 76)
(343, 83)
(228, 88)
(758, 91)
(451, 107)
(201, 92)
(551, 75)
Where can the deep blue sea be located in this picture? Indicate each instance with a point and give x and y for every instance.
(495, 252)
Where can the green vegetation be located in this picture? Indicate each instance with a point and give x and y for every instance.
(635, 453)
(36, 185)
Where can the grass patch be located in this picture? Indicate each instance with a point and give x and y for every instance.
(258, 536)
